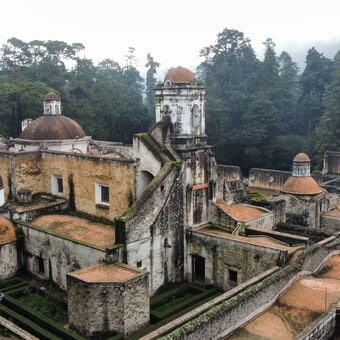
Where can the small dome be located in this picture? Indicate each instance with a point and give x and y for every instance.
(54, 127)
(7, 230)
(51, 96)
(301, 157)
(180, 75)
(301, 186)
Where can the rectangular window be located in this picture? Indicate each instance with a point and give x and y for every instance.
(57, 185)
(41, 265)
(102, 194)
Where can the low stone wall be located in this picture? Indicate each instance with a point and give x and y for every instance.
(323, 328)
(224, 317)
(330, 222)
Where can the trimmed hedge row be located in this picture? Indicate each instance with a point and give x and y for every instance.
(41, 320)
(161, 314)
(26, 324)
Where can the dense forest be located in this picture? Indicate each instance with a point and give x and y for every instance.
(259, 113)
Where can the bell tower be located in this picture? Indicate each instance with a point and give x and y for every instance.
(182, 97)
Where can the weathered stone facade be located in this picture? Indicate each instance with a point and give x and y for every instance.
(108, 298)
(9, 260)
(79, 175)
(50, 257)
(228, 262)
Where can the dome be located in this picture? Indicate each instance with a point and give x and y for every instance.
(7, 230)
(301, 186)
(51, 96)
(180, 75)
(301, 157)
(53, 127)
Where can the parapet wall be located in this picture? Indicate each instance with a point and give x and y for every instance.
(331, 163)
(267, 179)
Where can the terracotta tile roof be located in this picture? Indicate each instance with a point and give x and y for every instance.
(301, 186)
(53, 127)
(106, 273)
(335, 212)
(200, 186)
(239, 212)
(78, 229)
(7, 230)
(179, 75)
(301, 157)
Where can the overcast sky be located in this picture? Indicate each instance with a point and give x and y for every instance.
(173, 31)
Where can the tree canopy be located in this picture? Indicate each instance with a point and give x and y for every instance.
(260, 113)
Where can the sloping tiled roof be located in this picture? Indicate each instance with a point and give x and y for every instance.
(7, 230)
(335, 212)
(301, 186)
(239, 212)
(53, 127)
(180, 75)
(301, 157)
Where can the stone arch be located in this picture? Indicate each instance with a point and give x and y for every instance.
(144, 179)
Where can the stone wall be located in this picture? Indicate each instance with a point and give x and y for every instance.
(79, 173)
(50, 257)
(154, 233)
(330, 222)
(9, 260)
(229, 185)
(323, 328)
(267, 179)
(225, 255)
(331, 163)
(225, 317)
(96, 308)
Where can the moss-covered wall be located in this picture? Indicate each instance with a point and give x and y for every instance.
(225, 317)
(222, 255)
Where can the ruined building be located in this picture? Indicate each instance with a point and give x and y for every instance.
(112, 224)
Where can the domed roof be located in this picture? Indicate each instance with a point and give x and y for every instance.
(51, 96)
(53, 127)
(7, 230)
(301, 186)
(301, 157)
(180, 75)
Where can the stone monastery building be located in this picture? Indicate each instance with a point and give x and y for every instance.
(101, 218)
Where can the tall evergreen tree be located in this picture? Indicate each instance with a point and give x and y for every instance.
(328, 129)
(151, 82)
(314, 80)
(229, 72)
